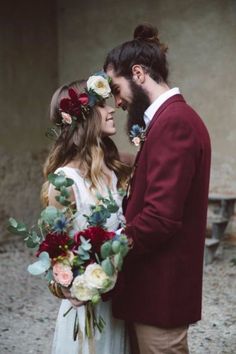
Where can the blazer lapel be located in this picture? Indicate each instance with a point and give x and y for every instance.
(175, 98)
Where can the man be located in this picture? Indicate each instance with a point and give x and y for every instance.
(167, 202)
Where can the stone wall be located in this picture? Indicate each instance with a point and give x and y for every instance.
(28, 71)
(20, 185)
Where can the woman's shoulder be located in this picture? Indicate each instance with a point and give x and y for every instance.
(69, 170)
(65, 168)
(73, 173)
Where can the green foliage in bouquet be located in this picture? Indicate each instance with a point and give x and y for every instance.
(116, 248)
(61, 184)
(101, 212)
(83, 250)
(31, 237)
(51, 218)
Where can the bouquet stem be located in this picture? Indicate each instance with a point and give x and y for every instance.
(89, 328)
(66, 313)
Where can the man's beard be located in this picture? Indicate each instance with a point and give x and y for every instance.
(140, 102)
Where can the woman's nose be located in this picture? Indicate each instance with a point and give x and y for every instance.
(111, 109)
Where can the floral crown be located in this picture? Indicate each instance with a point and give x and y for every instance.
(78, 105)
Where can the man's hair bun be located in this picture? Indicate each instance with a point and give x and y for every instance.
(144, 49)
(146, 32)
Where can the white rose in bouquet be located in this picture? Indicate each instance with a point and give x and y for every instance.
(111, 283)
(95, 276)
(80, 289)
(99, 85)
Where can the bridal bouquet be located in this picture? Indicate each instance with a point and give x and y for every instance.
(84, 261)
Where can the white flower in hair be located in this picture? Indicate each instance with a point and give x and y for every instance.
(99, 85)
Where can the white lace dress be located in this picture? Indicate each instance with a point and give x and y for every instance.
(113, 339)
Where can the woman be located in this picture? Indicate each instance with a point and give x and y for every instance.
(86, 154)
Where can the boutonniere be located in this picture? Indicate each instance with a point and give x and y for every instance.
(137, 134)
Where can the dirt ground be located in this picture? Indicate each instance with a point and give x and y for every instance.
(28, 311)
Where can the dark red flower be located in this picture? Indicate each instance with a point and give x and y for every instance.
(84, 99)
(54, 244)
(74, 96)
(73, 103)
(96, 235)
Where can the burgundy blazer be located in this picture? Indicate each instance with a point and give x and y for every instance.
(166, 217)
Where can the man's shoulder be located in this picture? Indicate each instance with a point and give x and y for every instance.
(171, 107)
(178, 117)
(176, 109)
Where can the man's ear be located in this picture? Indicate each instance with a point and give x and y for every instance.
(138, 74)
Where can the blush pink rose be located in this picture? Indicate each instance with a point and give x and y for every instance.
(136, 141)
(66, 118)
(62, 274)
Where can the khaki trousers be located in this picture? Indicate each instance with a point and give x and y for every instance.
(146, 339)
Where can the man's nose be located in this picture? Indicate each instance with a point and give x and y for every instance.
(118, 102)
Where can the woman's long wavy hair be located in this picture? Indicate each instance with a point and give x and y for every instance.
(85, 144)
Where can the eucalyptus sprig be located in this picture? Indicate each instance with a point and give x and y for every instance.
(52, 133)
(102, 211)
(113, 253)
(61, 184)
(51, 218)
(83, 250)
(31, 237)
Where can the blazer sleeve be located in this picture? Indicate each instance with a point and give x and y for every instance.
(171, 163)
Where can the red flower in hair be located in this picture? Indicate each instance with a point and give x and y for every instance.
(84, 99)
(73, 103)
(96, 235)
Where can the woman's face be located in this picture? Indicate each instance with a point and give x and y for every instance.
(107, 124)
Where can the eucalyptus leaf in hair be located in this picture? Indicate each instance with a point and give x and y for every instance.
(73, 125)
(52, 133)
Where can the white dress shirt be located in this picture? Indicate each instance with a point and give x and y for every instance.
(151, 110)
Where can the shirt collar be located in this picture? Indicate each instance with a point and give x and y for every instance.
(151, 110)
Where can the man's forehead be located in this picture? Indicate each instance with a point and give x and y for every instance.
(112, 74)
(116, 80)
(114, 83)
